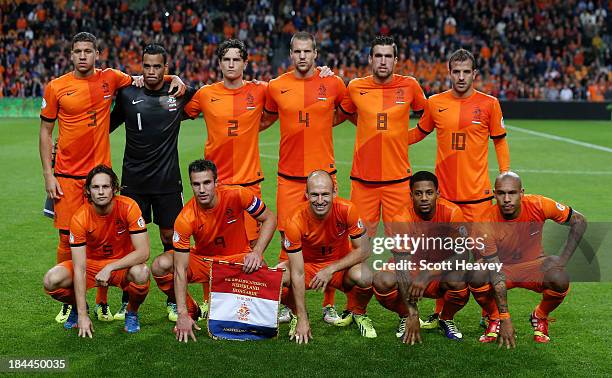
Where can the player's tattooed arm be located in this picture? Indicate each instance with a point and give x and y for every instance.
(578, 225)
(412, 335)
(506, 329)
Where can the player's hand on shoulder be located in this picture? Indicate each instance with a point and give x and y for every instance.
(325, 71)
(53, 188)
(138, 81)
(303, 333)
(412, 334)
(506, 335)
(252, 262)
(177, 87)
(184, 328)
(85, 326)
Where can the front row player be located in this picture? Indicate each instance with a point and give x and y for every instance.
(215, 219)
(110, 246)
(428, 216)
(514, 229)
(320, 255)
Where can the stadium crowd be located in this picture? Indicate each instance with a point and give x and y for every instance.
(535, 49)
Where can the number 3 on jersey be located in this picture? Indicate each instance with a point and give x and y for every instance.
(232, 127)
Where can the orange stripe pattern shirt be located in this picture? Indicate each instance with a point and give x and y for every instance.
(383, 110)
(323, 240)
(232, 119)
(82, 108)
(463, 128)
(107, 236)
(306, 112)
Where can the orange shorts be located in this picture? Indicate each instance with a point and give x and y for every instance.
(252, 226)
(289, 195)
(474, 212)
(311, 269)
(433, 287)
(526, 275)
(369, 198)
(118, 278)
(69, 203)
(199, 269)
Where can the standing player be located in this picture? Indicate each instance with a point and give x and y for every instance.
(232, 111)
(464, 120)
(110, 246)
(80, 101)
(306, 104)
(151, 174)
(215, 219)
(514, 239)
(382, 101)
(428, 216)
(320, 255)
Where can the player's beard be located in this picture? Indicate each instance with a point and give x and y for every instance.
(382, 76)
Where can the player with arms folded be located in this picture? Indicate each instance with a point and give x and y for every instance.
(215, 218)
(327, 246)
(80, 101)
(464, 120)
(110, 246)
(428, 216)
(513, 237)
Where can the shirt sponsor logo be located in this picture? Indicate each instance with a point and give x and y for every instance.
(283, 91)
(134, 102)
(362, 92)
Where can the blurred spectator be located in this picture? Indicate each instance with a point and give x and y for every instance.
(525, 49)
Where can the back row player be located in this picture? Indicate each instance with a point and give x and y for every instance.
(80, 100)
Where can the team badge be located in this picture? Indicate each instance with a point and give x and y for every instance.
(250, 101)
(560, 206)
(43, 104)
(399, 96)
(141, 222)
(243, 312)
(175, 237)
(322, 93)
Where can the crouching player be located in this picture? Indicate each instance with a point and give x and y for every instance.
(215, 219)
(110, 246)
(321, 255)
(428, 217)
(514, 238)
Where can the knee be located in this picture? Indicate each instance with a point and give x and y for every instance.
(163, 264)
(456, 285)
(479, 278)
(384, 282)
(53, 279)
(455, 281)
(556, 280)
(139, 274)
(361, 275)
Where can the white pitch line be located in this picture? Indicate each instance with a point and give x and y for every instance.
(561, 139)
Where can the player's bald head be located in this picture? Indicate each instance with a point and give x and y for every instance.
(509, 177)
(319, 177)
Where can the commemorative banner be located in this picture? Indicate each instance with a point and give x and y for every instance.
(243, 306)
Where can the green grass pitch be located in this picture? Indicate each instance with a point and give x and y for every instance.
(577, 174)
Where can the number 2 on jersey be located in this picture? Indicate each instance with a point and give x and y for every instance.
(232, 127)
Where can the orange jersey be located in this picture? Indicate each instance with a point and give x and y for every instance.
(383, 110)
(463, 128)
(219, 231)
(107, 236)
(520, 240)
(82, 108)
(232, 120)
(306, 112)
(323, 240)
(447, 222)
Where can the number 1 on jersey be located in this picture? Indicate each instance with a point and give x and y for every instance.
(139, 121)
(458, 141)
